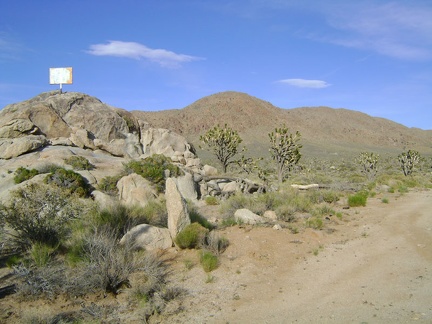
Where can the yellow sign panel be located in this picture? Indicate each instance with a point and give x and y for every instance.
(61, 75)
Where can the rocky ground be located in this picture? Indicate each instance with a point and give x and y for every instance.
(372, 266)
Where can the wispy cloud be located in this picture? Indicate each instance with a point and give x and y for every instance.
(392, 29)
(138, 51)
(8, 48)
(304, 83)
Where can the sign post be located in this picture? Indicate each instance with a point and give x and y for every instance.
(61, 76)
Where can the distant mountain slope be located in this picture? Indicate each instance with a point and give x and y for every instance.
(323, 129)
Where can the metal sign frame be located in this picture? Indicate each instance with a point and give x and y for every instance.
(60, 76)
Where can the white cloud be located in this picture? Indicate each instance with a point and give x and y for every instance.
(303, 83)
(137, 51)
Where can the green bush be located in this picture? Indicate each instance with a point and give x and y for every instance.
(403, 189)
(357, 200)
(120, 218)
(228, 222)
(41, 253)
(22, 174)
(48, 168)
(315, 222)
(191, 236)
(109, 184)
(153, 169)
(324, 211)
(212, 201)
(79, 162)
(39, 213)
(69, 180)
(115, 219)
(155, 213)
(330, 196)
(208, 261)
(286, 213)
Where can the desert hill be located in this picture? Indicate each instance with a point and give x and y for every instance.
(324, 130)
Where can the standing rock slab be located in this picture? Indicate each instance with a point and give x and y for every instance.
(178, 216)
(186, 186)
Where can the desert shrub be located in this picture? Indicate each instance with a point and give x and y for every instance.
(286, 213)
(109, 264)
(403, 189)
(48, 168)
(39, 213)
(37, 282)
(109, 184)
(355, 178)
(116, 219)
(69, 180)
(228, 222)
(330, 196)
(323, 211)
(315, 222)
(79, 162)
(153, 169)
(212, 201)
(237, 201)
(41, 316)
(41, 254)
(196, 217)
(155, 213)
(22, 174)
(358, 199)
(191, 236)
(301, 203)
(215, 243)
(270, 200)
(208, 260)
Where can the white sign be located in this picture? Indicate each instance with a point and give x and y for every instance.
(61, 76)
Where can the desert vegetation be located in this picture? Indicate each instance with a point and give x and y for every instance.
(63, 226)
(53, 235)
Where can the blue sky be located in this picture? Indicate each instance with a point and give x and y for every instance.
(370, 56)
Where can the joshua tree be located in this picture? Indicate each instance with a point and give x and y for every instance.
(369, 164)
(408, 160)
(285, 150)
(224, 143)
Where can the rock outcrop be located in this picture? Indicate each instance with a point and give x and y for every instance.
(135, 190)
(76, 119)
(245, 216)
(147, 237)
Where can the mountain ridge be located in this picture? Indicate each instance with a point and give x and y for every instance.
(323, 128)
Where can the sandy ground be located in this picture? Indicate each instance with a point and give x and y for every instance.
(373, 266)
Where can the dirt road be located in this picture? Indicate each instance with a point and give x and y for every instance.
(373, 266)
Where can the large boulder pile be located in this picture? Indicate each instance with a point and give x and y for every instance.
(78, 120)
